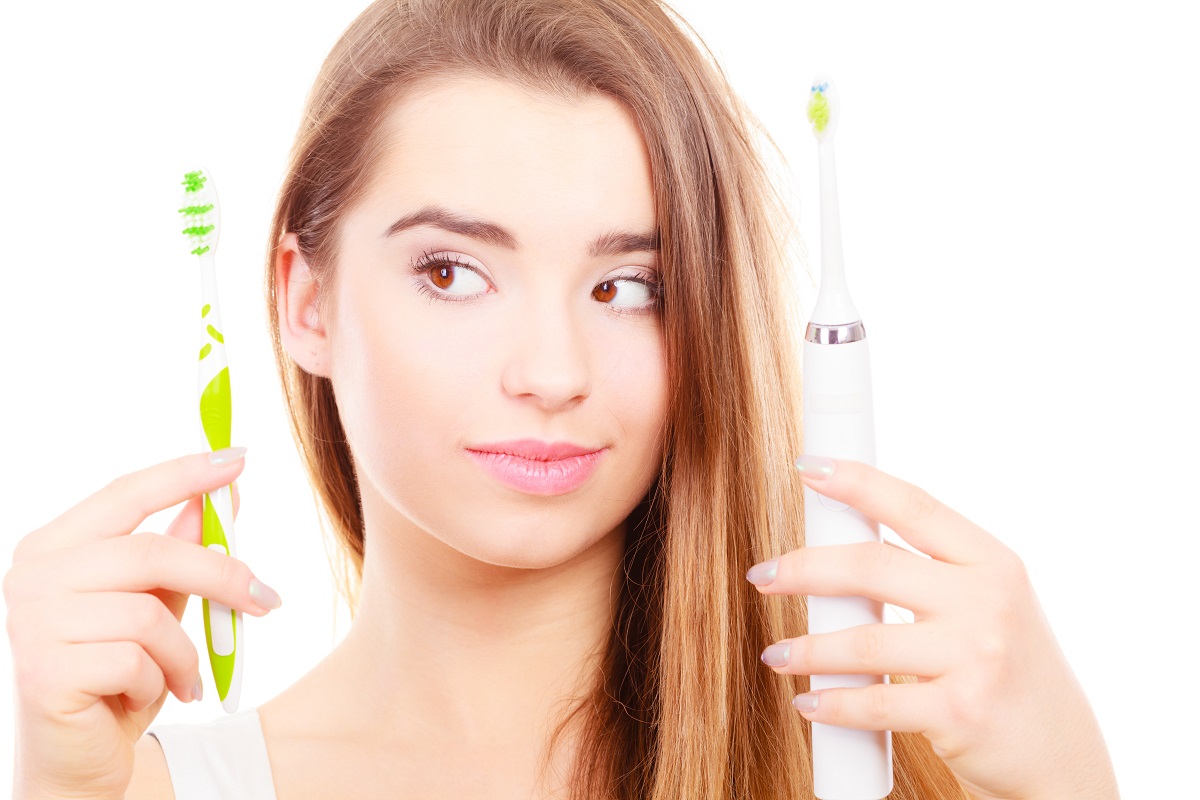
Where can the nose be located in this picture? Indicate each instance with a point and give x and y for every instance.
(549, 360)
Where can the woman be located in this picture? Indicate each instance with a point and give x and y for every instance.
(507, 221)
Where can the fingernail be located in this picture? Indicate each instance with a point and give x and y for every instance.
(818, 467)
(264, 595)
(198, 691)
(764, 573)
(226, 456)
(777, 654)
(805, 702)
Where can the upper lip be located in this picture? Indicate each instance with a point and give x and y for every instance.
(535, 449)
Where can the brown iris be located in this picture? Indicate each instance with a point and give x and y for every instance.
(607, 289)
(442, 273)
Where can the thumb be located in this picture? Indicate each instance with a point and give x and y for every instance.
(188, 527)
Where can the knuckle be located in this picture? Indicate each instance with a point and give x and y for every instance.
(877, 707)
(120, 486)
(130, 658)
(1008, 592)
(948, 746)
(193, 660)
(125, 493)
(151, 547)
(234, 575)
(11, 586)
(13, 628)
(22, 583)
(1013, 569)
(880, 559)
(147, 615)
(964, 704)
(990, 648)
(18, 553)
(917, 504)
(868, 646)
(29, 677)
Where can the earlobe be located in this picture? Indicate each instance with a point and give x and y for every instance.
(297, 295)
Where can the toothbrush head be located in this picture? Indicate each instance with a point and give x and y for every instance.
(823, 108)
(200, 215)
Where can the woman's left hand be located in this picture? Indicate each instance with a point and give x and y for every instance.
(995, 695)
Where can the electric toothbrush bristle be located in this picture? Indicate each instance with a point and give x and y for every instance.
(834, 306)
(822, 107)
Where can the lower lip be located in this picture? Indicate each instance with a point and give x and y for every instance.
(538, 477)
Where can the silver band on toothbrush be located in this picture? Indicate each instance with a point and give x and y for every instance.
(835, 334)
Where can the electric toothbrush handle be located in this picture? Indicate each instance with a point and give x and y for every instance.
(848, 763)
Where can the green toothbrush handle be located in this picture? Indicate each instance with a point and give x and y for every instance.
(222, 625)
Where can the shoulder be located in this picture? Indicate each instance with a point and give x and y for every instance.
(151, 779)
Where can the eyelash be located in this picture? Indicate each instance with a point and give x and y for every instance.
(429, 260)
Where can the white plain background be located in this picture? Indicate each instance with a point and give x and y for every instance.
(1019, 208)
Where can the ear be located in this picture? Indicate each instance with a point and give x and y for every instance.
(303, 333)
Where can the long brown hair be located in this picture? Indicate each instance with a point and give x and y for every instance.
(681, 708)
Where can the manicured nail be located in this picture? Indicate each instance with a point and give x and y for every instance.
(805, 702)
(764, 573)
(264, 595)
(198, 691)
(818, 467)
(226, 456)
(777, 654)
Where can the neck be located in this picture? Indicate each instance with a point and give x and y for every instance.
(482, 654)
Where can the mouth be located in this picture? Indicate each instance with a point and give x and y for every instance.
(541, 471)
(536, 450)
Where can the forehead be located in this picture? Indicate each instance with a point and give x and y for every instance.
(486, 145)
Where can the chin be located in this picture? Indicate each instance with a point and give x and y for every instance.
(531, 548)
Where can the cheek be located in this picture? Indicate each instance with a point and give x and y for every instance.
(402, 388)
(635, 392)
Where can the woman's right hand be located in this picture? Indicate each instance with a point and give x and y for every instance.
(93, 619)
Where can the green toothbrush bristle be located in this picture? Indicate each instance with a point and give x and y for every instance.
(199, 213)
(194, 181)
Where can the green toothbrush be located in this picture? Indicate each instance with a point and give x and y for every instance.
(222, 625)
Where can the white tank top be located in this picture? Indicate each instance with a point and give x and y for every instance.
(223, 758)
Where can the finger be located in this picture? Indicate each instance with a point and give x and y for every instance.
(187, 524)
(907, 707)
(910, 649)
(106, 669)
(188, 527)
(130, 617)
(908, 510)
(867, 569)
(139, 563)
(117, 509)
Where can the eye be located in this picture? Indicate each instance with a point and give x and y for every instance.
(642, 294)
(448, 273)
(435, 273)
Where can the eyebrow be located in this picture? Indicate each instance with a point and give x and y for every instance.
(613, 243)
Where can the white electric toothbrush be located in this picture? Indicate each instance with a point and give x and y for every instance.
(848, 763)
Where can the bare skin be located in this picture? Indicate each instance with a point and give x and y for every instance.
(483, 609)
(483, 606)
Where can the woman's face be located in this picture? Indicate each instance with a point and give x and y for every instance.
(497, 283)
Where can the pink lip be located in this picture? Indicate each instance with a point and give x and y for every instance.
(536, 467)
